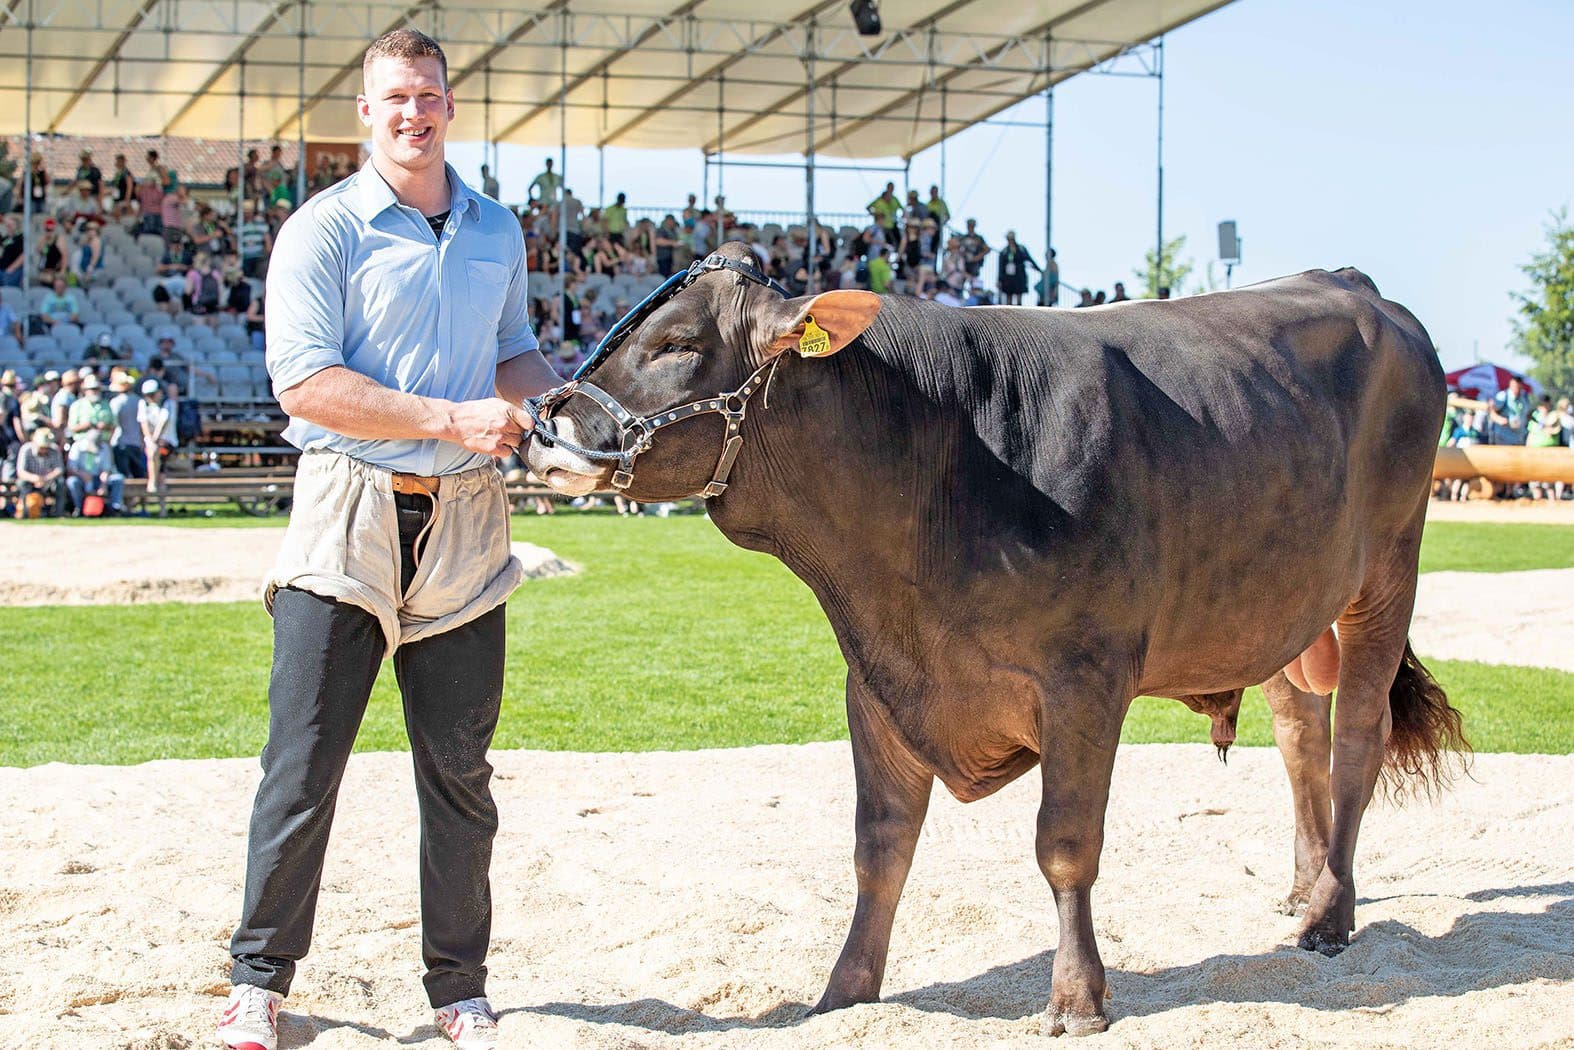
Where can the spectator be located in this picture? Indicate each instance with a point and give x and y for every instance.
(1545, 430)
(879, 272)
(40, 188)
(275, 171)
(1120, 295)
(938, 209)
(76, 210)
(156, 421)
(1566, 410)
(7, 179)
(41, 470)
(489, 184)
(88, 259)
(173, 209)
(150, 195)
(1509, 413)
(60, 404)
(126, 437)
(256, 241)
(1164, 291)
(54, 253)
(1014, 261)
(10, 325)
(1049, 282)
(38, 403)
(667, 239)
(616, 218)
(885, 208)
(204, 293)
(546, 186)
(572, 211)
(60, 305)
(255, 323)
(89, 172)
(974, 249)
(1098, 297)
(123, 186)
(11, 249)
(914, 210)
(90, 472)
(12, 436)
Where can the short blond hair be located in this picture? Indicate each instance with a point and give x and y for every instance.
(404, 43)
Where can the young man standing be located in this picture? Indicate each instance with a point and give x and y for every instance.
(399, 345)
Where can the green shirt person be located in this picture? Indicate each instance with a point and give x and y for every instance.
(547, 186)
(616, 216)
(885, 208)
(879, 274)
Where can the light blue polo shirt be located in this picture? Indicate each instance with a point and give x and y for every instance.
(357, 279)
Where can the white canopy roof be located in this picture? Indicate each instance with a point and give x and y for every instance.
(710, 74)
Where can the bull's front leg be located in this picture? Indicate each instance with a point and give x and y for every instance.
(893, 797)
(1080, 731)
(1301, 728)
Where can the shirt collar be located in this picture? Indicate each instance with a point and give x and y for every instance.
(373, 196)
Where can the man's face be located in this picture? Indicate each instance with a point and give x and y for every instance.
(408, 106)
(60, 286)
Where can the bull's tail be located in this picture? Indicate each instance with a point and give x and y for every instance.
(1426, 744)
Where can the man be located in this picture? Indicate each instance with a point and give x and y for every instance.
(38, 403)
(399, 345)
(1119, 296)
(126, 438)
(573, 214)
(89, 172)
(256, 241)
(90, 470)
(546, 186)
(150, 195)
(938, 207)
(885, 209)
(974, 249)
(489, 184)
(60, 405)
(11, 257)
(10, 322)
(156, 424)
(40, 469)
(122, 184)
(1509, 412)
(59, 305)
(12, 435)
(617, 219)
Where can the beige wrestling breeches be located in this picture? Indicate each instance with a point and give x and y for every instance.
(343, 543)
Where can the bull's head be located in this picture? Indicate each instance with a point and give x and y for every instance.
(672, 387)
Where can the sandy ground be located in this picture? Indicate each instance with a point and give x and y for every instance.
(157, 563)
(1525, 511)
(699, 899)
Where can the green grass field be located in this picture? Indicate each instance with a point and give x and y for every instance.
(736, 652)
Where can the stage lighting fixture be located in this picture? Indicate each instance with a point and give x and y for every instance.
(866, 16)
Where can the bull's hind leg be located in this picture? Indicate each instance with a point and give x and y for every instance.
(893, 797)
(1301, 729)
(1372, 635)
(1080, 732)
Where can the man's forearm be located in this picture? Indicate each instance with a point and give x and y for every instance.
(525, 376)
(357, 406)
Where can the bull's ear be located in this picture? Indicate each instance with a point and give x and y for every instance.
(820, 325)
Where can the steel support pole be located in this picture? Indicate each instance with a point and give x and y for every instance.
(240, 150)
(721, 142)
(808, 166)
(488, 147)
(27, 168)
(944, 134)
(1158, 276)
(300, 113)
(1049, 174)
(562, 161)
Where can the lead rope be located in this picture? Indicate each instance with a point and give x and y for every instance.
(420, 537)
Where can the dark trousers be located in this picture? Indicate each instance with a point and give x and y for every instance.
(325, 659)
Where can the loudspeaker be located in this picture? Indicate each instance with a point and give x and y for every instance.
(866, 16)
(1229, 243)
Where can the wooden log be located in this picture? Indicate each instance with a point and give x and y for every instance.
(1507, 464)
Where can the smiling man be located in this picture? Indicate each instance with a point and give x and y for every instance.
(398, 341)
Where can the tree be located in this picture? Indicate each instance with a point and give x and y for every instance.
(1544, 329)
(1166, 273)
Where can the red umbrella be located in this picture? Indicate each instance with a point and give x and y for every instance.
(1484, 379)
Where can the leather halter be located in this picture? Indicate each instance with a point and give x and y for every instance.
(636, 434)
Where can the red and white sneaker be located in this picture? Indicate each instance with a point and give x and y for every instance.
(470, 1024)
(251, 1019)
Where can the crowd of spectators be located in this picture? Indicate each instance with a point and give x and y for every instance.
(1512, 416)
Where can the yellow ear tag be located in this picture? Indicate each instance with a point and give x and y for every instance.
(815, 341)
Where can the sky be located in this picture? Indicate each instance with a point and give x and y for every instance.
(1425, 142)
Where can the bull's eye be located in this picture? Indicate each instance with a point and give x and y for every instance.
(672, 349)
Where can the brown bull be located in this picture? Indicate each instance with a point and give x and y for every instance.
(1018, 520)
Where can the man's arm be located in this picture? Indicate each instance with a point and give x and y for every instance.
(525, 376)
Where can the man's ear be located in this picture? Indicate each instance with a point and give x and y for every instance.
(820, 325)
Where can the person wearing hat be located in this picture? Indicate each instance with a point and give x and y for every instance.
(41, 470)
(125, 439)
(156, 423)
(65, 397)
(1013, 263)
(90, 469)
(90, 412)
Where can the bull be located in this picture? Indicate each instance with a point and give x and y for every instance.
(1018, 520)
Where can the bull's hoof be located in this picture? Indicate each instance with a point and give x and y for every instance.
(1060, 1023)
(1323, 941)
(833, 1000)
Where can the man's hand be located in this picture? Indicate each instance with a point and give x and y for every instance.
(493, 427)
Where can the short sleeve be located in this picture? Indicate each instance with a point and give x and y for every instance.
(305, 319)
(514, 336)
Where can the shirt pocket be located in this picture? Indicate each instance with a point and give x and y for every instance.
(487, 287)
